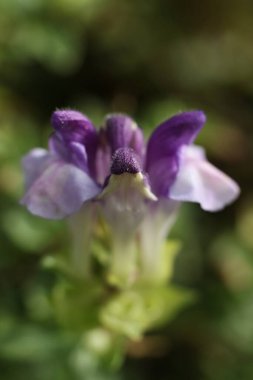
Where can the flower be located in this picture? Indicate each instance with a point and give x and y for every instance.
(80, 159)
(138, 187)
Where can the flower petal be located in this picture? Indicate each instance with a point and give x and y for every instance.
(34, 164)
(119, 131)
(72, 131)
(59, 190)
(126, 185)
(73, 125)
(123, 203)
(126, 192)
(122, 131)
(199, 181)
(73, 152)
(163, 147)
(157, 222)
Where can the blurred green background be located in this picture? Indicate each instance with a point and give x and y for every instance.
(150, 59)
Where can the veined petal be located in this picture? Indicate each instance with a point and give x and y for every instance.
(58, 190)
(162, 160)
(199, 181)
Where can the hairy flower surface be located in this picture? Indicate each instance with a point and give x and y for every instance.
(137, 186)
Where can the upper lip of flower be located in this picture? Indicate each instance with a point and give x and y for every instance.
(80, 159)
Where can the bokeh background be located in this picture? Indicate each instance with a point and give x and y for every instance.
(150, 59)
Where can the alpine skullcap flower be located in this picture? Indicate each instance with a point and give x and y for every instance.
(135, 187)
(82, 164)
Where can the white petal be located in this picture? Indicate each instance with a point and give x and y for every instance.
(124, 202)
(157, 222)
(201, 182)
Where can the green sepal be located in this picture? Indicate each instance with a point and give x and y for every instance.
(76, 305)
(135, 311)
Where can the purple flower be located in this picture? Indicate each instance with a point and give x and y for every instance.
(83, 164)
(136, 188)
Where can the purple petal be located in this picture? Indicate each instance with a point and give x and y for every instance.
(55, 189)
(201, 182)
(74, 127)
(121, 131)
(71, 124)
(79, 155)
(103, 158)
(163, 147)
(73, 152)
(125, 160)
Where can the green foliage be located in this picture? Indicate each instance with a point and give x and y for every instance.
(133, 312)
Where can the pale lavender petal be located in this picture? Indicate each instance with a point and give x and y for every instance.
(34, 163)
(74, 127)
(162, 160)
(60, 190)
(72, 152)
(199, 181)
(122, 131)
